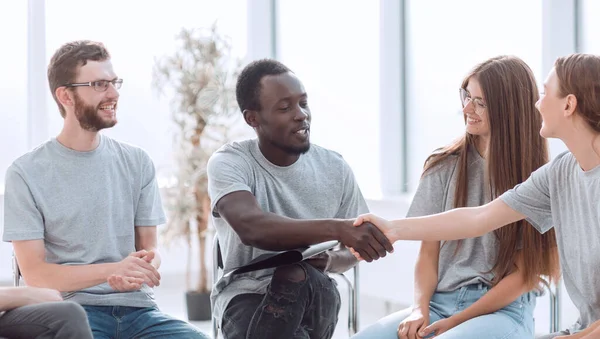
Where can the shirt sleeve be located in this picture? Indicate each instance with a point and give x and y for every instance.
(227, 173)
(149, 211)
(353, 203)
(22, 218)
(532, 198)
(430, 197)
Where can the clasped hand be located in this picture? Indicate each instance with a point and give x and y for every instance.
(384, 229)
(133, 271)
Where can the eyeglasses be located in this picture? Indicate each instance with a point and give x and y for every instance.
(478, 104)
(99, 85)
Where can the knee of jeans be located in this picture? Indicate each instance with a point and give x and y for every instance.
(290, 273)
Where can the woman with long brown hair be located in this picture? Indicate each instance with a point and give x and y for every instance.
(483, 287)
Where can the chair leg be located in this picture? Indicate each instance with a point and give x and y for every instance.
(354, 305)
(554, 296)
(16, 271)
(215, 329)
(555, 309)
(352, 301)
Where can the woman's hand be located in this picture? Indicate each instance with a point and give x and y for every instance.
(439, 327)
(416, 321)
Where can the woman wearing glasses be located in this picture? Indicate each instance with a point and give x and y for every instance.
(482, 287)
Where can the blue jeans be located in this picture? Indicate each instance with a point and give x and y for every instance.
(514, 321)
(116, 322)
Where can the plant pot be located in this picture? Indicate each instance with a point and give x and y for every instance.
(198, 305)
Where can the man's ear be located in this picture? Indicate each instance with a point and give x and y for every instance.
(64, 96)
(570, 105)
(251, 117)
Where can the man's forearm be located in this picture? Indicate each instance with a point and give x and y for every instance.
(272, 232)
(11, 298)
(66, 278)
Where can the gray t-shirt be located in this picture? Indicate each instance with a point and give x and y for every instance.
(319, 185)
(475, 257)
(84, 205)
(562, 195)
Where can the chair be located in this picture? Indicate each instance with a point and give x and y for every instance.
(555, 296)
(16, 271)
(352, 290)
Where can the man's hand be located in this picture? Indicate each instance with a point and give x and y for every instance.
(134, 270)
(368, 241)
(381, 223)
(439, 327)
(416, 321)
(124, 284)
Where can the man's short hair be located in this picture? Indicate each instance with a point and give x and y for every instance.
(66, 61)
(247, 89)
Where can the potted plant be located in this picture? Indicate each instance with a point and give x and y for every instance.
(200, 80)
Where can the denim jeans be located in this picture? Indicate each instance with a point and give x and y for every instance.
(514, 321)
(289, 310)
(63, 319)
(116, 322)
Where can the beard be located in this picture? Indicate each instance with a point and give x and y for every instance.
(88, 116)
(292, 150)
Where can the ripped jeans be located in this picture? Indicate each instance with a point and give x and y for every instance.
(301, 302)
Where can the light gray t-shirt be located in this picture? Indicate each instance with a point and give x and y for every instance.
(562, 195)
(320, 184)
(475, 257)
(84, 205)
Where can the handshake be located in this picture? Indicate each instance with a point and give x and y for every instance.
(368, 238)
(133, 271)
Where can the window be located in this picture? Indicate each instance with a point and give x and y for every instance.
(445, 39)
(589, 27)
(13, 87)
(136, 32)
(338, 63)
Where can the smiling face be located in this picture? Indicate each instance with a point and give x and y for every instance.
(93, 109)
(283, 120)
(475, 110)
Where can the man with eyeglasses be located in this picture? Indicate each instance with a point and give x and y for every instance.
(81, 209)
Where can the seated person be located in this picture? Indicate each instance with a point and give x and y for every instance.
(560, 195)
(81, 209)
(32, 312)
(279, 192)
(481, 287)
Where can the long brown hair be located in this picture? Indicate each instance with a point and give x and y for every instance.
(515, 150)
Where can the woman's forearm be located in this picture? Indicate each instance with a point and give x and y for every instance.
(460, 223)
(500, 296)
(592, 332)
(426, 274)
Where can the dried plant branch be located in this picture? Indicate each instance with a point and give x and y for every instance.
(200, 80)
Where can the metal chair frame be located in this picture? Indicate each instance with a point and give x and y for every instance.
(352, 290)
